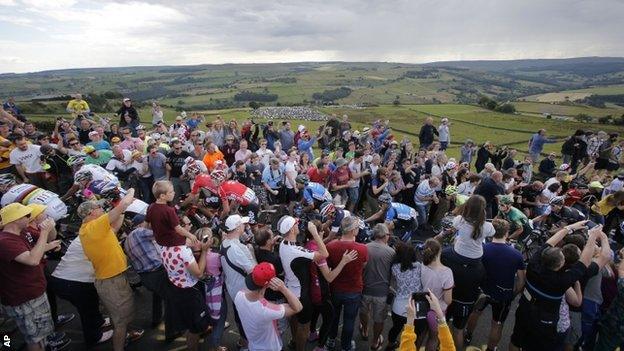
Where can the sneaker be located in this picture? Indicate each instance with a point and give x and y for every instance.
(107, 335)
(107, 323)
(330, 344)
(313, 336)
(63, 319)
(134, 335)
(467, 338)
(56, 337)
(57, 345)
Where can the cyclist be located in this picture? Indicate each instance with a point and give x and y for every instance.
(519, 224)
(400, 219)
(314, 194)
(558, 215)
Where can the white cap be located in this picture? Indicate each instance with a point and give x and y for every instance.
(301, 128)
(155, 136)
(93, 133)
(233, 221)
(564, 167)
(285, 224)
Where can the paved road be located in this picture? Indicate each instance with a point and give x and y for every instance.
(154, 338)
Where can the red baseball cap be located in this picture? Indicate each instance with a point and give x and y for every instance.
(260, 276)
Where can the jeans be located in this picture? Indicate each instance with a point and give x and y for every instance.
(444, 145)
(589, 321)
(350, 302)
(423, 212)
(326, 310)
(85, 298)
(145, 185)
(218, 326)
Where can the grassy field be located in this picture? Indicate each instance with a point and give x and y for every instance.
(565, 110)
(467, 122)
(575, 94)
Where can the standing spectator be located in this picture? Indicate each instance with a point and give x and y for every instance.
(427, 132)
(23, 283)
(340, 181)
(229, 150)
(243, 153)
(175, 160)
(357, 170)
(237, 261)
(73, 280)
(157, 163)
(305, 144)
(536, 144)
(483, 156)
(157, 114)
(97, 142)
(376, 284)
(423, 197)
(77, 105)
(127, 110)
(488, 188)
(538, 311)
(467, 151)
(130, 142)
(102, 248)
(26, 158)
(213, 156)
(505, 277)
(296, 262)
(445, 134)
(286, 136)
(610, 333)
(347, 287)
(258, 315)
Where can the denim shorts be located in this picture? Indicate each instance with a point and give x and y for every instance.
(33, 318)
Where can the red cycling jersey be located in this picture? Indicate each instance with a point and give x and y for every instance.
(229, 190)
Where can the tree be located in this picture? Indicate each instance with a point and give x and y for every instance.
(396, 101)
(254, 105)
(582, 117)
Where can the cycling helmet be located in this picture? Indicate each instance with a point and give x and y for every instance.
(83, 176)
(109, 191)
(326, 209)
(193, 169)
(384, 198)
(218, 175)
(557, 200)
(505, 199)
(302, 179)
(451, 190)
(76, 160)
(7, 180)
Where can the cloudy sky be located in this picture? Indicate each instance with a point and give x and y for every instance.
(50, 34)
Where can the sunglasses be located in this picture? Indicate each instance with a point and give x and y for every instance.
(177, 148)
(73, 144)
(186, 224)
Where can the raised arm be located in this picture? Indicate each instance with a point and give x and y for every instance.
(118, 211)
(559, 235)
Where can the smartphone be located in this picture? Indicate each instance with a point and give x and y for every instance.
(590, 224)
(422, 304)
(205, 239)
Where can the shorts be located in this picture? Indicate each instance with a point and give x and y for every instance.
(575, 331)
(354, 194)
(116, 296)
(33, 318)
(458, 312)
(305, 315)
(190, 307)
(500, 309)
(375, 306)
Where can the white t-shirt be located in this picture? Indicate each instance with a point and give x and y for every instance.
(29, 159)
(176, 260)
(242, 258)
(443, 131)
(465, 245)
(355, 168)
(466, 188)
(265, 156)
(124, 165)
(290, 170)
(74, 265)
(259, 320)
(296, 262)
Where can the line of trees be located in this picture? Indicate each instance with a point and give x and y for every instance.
(494, 105)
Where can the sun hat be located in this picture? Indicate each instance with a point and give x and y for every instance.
(285, 224)
(234, 221)
(260, 276)
(14, 211)
(37, 209)
(93, 133)
(115, 140)
(136, 153)
(86, 207)
(126, 99)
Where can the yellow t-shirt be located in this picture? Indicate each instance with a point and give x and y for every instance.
(602, 207)
(102, 248)
(78, 106)
(4, 154)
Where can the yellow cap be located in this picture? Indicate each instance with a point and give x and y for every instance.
(88, 149)
(37, 209)
(12, 212)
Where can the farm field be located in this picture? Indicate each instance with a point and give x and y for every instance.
(565, 110)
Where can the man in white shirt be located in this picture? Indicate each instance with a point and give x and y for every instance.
(27, 160)
(356, 167)
(264, 153)
(237, 261)
(259, 315)
(290, 172)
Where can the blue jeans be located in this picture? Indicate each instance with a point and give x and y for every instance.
(351, 304)
(423, 213)
(443, 145)
(214, 338)
(589, 321)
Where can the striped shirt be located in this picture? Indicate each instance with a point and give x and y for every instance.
(141, 251)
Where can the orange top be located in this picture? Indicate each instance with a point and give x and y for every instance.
(211, 158)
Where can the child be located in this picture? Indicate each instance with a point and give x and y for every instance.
(164, 221)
